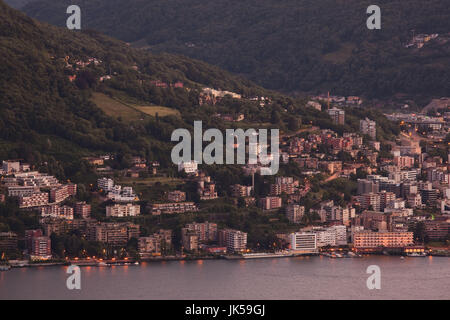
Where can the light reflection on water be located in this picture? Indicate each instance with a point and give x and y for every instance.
(280, 278)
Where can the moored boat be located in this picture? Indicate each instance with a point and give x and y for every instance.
(5, 267)
(417, 254)
(266, 255)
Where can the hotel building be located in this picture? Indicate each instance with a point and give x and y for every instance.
(368, 239)
(303, 242)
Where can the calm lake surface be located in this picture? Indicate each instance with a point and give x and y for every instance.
(282, 278)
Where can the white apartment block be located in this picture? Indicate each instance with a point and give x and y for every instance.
(18, 191)
(188, 166)
(332, 236)
(105, 184)
(347, 214)
(123, 210)
(325, 238)
(119, 194)
(236, 240)
(341, 234)
(34, 178)
(54, 211)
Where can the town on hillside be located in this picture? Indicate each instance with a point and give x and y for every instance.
(337, 194)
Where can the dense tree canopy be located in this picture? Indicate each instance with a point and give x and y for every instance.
(288, 45)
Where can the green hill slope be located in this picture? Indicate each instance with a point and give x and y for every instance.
(46, 117)
(289, 45)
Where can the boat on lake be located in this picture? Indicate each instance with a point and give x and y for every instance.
(5, 267)
(416, 254)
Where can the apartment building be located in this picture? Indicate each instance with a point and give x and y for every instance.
(189, 239)
(172, 208)
(10, 166)
(437, 230)
(36, 179)
(119, 194)
(347, 214)
(55, 211)
(295, 213)
(41, 248)
(34, 200)
(270, 203)
(105, 184)
(176, 196)
(207, 191)
(189, 167)
(370, 201)
(368, 127)
(113, 233)
(234, 240)
(337, 115)
(8, 242)
(404, 161)
(331, 236)
(367, 186)
(328, 211)
(414, 200)
(206, 231)
(123, 210)
(277, 189)
(325, 238)
(154, 244)
(83, 210)
(18, 191)
(238, 191)
(61, 193)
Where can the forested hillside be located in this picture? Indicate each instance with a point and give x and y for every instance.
(288, 45)
(18, 3)
(69, 94)
(45, 117)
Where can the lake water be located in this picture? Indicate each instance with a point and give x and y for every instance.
(282, 278)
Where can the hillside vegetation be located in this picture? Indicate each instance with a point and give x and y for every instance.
(56, 110)
(288, 45)
(48, 118)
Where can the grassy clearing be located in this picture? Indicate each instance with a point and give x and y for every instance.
(160, 110)
(149, 181)
(118, 108)
(114, 108)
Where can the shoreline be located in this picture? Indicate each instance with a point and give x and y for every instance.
(130, 262)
